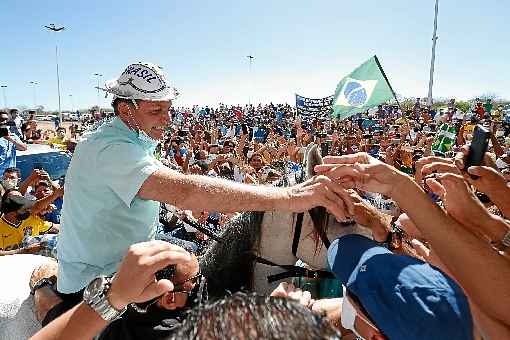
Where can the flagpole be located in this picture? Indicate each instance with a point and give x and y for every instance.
(433, 59)
(387, 81)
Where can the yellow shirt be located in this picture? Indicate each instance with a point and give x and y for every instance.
(12, 235)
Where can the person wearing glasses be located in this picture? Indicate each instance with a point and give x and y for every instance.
(155, 285)
(160, 316)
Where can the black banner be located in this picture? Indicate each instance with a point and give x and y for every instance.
(314, 107)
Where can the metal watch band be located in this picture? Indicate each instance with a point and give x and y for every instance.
(106, 311)
(506, 239)
(102, 306)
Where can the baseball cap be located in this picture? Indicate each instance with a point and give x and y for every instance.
(143, 81)
(406, 298)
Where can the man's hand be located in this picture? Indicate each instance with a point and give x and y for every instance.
(366, 172)
(324, 192)
(461, 156)
(368, 216)
(488, 181)
(135, 280)
(428, 165)
(459, 200)
(287, 290)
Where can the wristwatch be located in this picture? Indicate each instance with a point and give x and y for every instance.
(95, 295)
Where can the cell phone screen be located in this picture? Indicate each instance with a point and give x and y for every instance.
(478, 147)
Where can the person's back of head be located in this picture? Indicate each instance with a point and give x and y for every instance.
(251, 316)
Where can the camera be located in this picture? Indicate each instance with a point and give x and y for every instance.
(166, 273)
(4, 130)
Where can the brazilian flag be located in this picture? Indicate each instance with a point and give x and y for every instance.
(364, 88)
(445, 138)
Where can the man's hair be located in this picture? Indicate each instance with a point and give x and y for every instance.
(251, 316)
(12, 169)
(117, 101)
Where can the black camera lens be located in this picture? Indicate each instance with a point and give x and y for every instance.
(166, 273)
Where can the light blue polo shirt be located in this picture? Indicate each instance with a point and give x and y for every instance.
(7, 154)
(102, 215)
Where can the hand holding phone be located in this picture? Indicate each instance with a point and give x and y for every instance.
(478, 148)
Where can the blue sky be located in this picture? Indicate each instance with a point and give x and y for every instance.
(300, 46)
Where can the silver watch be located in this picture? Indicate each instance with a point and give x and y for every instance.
(95, 295)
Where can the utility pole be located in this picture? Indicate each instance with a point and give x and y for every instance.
(52, 28)
(250, 57)
(433, 59)
(98, 76)
(34, 92)
(5, 97)
(72, 103)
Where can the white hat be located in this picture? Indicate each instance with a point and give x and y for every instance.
(143, 81)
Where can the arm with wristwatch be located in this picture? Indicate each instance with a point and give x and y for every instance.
(106, 298)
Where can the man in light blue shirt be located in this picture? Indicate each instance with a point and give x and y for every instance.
(114, 186)
(9, 144)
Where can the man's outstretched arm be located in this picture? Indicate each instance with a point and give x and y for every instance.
(214, 194)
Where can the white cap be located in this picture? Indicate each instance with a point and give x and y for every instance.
(143, 81)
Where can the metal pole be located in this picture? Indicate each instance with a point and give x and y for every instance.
(5, 97)
(34, 92)
(58, 85)
(98, 75)
(250, 57)
(433, 59)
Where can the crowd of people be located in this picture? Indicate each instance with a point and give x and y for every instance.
(435, 267)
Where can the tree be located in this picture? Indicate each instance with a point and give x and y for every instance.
(462, 105)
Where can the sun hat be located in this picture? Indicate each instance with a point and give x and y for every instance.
(144, 81)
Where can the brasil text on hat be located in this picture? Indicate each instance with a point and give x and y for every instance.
(142, 81)
(404, 297)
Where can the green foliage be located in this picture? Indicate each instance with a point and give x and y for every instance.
(462, 105)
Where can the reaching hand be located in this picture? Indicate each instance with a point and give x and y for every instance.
(459, 200)
(366, 172)
(135, 280)
(368, 216)
(287, 290)
(428, 165)
(488, 180)
(324, 192)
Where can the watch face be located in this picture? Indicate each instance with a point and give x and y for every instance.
(94, 289)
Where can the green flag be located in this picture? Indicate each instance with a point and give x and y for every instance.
(445, 138)
(365, 87)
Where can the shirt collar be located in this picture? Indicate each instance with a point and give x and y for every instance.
(147, 144)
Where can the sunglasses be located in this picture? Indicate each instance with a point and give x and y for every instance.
(178, 288)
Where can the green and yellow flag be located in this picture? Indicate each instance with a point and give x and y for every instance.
(365, 87)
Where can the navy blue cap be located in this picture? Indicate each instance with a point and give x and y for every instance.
(405, 297)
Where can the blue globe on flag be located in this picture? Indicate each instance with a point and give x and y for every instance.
(355, 93)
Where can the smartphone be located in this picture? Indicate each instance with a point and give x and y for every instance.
(478, 147)
(166, 273)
